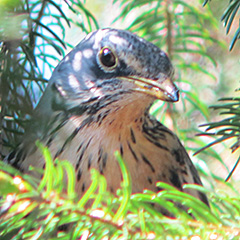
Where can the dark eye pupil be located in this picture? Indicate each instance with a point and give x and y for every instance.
(108, 58)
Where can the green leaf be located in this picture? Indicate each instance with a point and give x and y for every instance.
(126, 188)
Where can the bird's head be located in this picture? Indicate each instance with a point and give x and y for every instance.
(111, 62)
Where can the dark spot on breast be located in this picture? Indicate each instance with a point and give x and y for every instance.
(88, 142)
(132, 136)
(101, 169)
(174, 179)
(177, 154)
(71, 137)
(121, 149)
(59, 151)
(111, 122)
(100, 152)
(102, 116)
(132, 151)
(149, 180)
(80, 159)
(79, 174)
(83, 187)
(103, 162)
(89, 161)
(144, 158)
(158, 144)
(79, 148)
(104, 159)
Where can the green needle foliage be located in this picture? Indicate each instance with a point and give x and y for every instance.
(229, 127)
(50, 208)
(228, 18)
(32, 39)
(225, 129)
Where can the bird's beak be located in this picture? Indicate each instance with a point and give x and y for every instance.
(162, 88)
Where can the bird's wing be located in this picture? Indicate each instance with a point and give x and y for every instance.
(180, 169)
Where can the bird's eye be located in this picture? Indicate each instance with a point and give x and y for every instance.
(107, 58)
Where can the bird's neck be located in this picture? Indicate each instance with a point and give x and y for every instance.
(123, 113)
(113, 122)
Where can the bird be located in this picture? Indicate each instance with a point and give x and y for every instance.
(96, 103)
